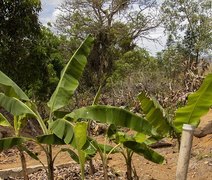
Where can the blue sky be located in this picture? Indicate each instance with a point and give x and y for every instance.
(50, 12)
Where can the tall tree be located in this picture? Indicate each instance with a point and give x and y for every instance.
(30, 54)
(19, 30)
(45, 62)
(193, 18)
(116, 25)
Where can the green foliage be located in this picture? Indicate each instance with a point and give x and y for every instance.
(114, 36)
(29, 53)
(155, 114)
(21, 110)
(70, 76)
(192, 17)
(15, 106)
(198, 105)
(7, 143)
(137, 143)
(133, 61)
(72, 154)
(49, 59)
(113, 115)
(49, 139)
(72, 132)
(9, 88)
(30, 153)
(127, 145)
(80, 132)
(171, 62)
(144, 150)
(19, 30)
(3, 121)
(63, 129)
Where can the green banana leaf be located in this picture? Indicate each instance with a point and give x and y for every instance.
(154, 113)
(63, 129)
(72, 154)
(50, 139)
(7, 143)
(113, 115)
(144, 150)
(29, 152)
(104, 148)
(80, 138)
(89, 149)
(137, 144)
(111, 130)
(121, 137)
(70, 76)
(10, 88)
(198, 104)
(15, 106)
(4, 122)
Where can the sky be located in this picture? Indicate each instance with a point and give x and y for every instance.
(49, 14)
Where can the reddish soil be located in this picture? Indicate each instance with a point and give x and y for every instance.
(200, 167)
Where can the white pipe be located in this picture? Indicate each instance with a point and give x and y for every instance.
(185, 150)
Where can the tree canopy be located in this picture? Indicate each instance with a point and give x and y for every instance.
(193, 19)
(19, 31)
(116, 25)
(29, 53)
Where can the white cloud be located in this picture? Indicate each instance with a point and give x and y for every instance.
(51, 2)
(49, 11)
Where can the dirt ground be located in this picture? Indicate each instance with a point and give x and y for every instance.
(200, 167)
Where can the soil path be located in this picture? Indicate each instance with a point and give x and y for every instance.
(200, 167)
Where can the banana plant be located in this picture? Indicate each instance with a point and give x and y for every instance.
(109, 115)
(104, 151)
(15, 101)
(127, 145)
(10, 99)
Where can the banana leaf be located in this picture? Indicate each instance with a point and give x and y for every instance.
(80, 138)
(105, 148)
(113, 115)
(198, 104)
(29, 152)
(7, 143)
(154, 113)
(63, 129)
(70, 76)
(72, 154)
(144, 150)
(50, 139)
(10, 88)
(4, 122)
(15, 106)
(137, 143)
